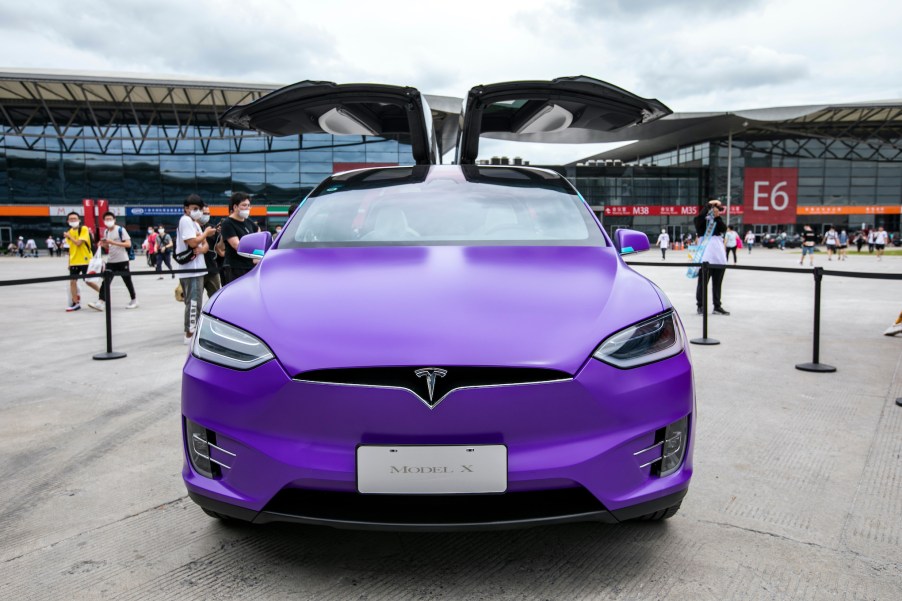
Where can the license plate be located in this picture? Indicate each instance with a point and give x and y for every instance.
(432, 469)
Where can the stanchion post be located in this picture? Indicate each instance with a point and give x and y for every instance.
(816, 365)
(704, 340)
(109, 354)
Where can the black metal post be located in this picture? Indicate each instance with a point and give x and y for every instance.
(109, 354)
(815, 364)
(704, 340)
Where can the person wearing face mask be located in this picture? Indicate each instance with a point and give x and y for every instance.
(78, 239)
(191, 236)
(116, 241)
(150, 246)
(235, 227)
(211, 279)
(164, 251)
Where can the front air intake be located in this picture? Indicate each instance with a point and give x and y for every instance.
(433, 383)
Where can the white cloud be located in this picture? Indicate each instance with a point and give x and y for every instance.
(692, 55)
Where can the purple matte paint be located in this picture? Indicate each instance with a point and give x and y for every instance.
(443, 306)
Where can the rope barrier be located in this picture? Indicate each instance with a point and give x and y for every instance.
(87, 276)
(818, 272)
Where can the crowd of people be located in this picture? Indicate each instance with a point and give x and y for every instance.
(206, 256)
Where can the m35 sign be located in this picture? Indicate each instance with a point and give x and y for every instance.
(769, 195)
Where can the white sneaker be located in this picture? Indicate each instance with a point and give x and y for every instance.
(894, 329)
(98, 305)
(133, 304)
(187, 339)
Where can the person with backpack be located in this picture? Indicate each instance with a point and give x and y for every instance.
(78, 239)
(116, 241)
(191, 246)
(731, 242)
(164, 251)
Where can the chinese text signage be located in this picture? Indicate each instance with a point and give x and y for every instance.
(658, 210)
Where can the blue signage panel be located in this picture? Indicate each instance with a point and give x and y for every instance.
(153, 211)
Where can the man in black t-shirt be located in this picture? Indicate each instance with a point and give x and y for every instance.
(809, 240)
(235, 227)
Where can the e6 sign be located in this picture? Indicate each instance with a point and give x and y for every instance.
(769, 195)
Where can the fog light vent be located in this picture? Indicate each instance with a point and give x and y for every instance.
(675, 439)
(666, 454)
(201, 443)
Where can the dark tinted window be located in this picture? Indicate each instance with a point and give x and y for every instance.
(433, 206)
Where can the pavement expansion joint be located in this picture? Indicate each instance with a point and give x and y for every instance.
(765, 532)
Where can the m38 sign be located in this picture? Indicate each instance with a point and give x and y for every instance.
(769, 195)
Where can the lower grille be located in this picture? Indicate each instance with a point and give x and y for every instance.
(435, 510)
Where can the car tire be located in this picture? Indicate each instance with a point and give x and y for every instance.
(661, 515)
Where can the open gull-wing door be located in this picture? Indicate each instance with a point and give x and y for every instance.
(563, 110)
(348, 109)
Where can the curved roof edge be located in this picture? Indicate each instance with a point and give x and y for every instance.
(684, 129)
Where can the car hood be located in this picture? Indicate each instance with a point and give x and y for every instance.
(548, 307)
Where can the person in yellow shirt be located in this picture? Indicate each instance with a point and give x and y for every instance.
(80, 254)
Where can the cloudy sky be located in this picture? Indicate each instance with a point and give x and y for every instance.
(693, 55)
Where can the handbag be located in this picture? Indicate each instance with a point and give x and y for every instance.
(96, 267)
(184, 257)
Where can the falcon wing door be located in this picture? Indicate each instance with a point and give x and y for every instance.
(563, 110)
(348, 109)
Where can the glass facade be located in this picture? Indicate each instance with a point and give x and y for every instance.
(640, 186)
(832, 174)
(163, 164)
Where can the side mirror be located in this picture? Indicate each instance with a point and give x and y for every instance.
(254, 246)
(630, 241)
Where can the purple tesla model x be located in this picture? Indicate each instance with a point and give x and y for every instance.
(441, 346)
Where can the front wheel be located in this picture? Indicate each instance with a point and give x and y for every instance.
(660, 515)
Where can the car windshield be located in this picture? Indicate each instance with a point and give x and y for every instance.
(452, 206)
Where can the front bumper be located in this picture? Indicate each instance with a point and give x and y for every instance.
(575, 448)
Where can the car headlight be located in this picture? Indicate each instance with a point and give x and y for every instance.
(226, 345)
(642, 343)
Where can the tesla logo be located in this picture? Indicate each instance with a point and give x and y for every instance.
(431, 373)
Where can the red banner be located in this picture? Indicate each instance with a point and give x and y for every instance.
(88, 207)
(770, 195)
(659, 211)
(103, 206)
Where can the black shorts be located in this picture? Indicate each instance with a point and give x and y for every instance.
(880, 246)
(78, 269)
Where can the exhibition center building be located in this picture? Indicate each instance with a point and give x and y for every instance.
(779, 168)
(143, 144)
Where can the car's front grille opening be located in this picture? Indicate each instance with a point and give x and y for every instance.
(432, 383)
(434, 509)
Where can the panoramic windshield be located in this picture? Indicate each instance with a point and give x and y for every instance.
(471, 206)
